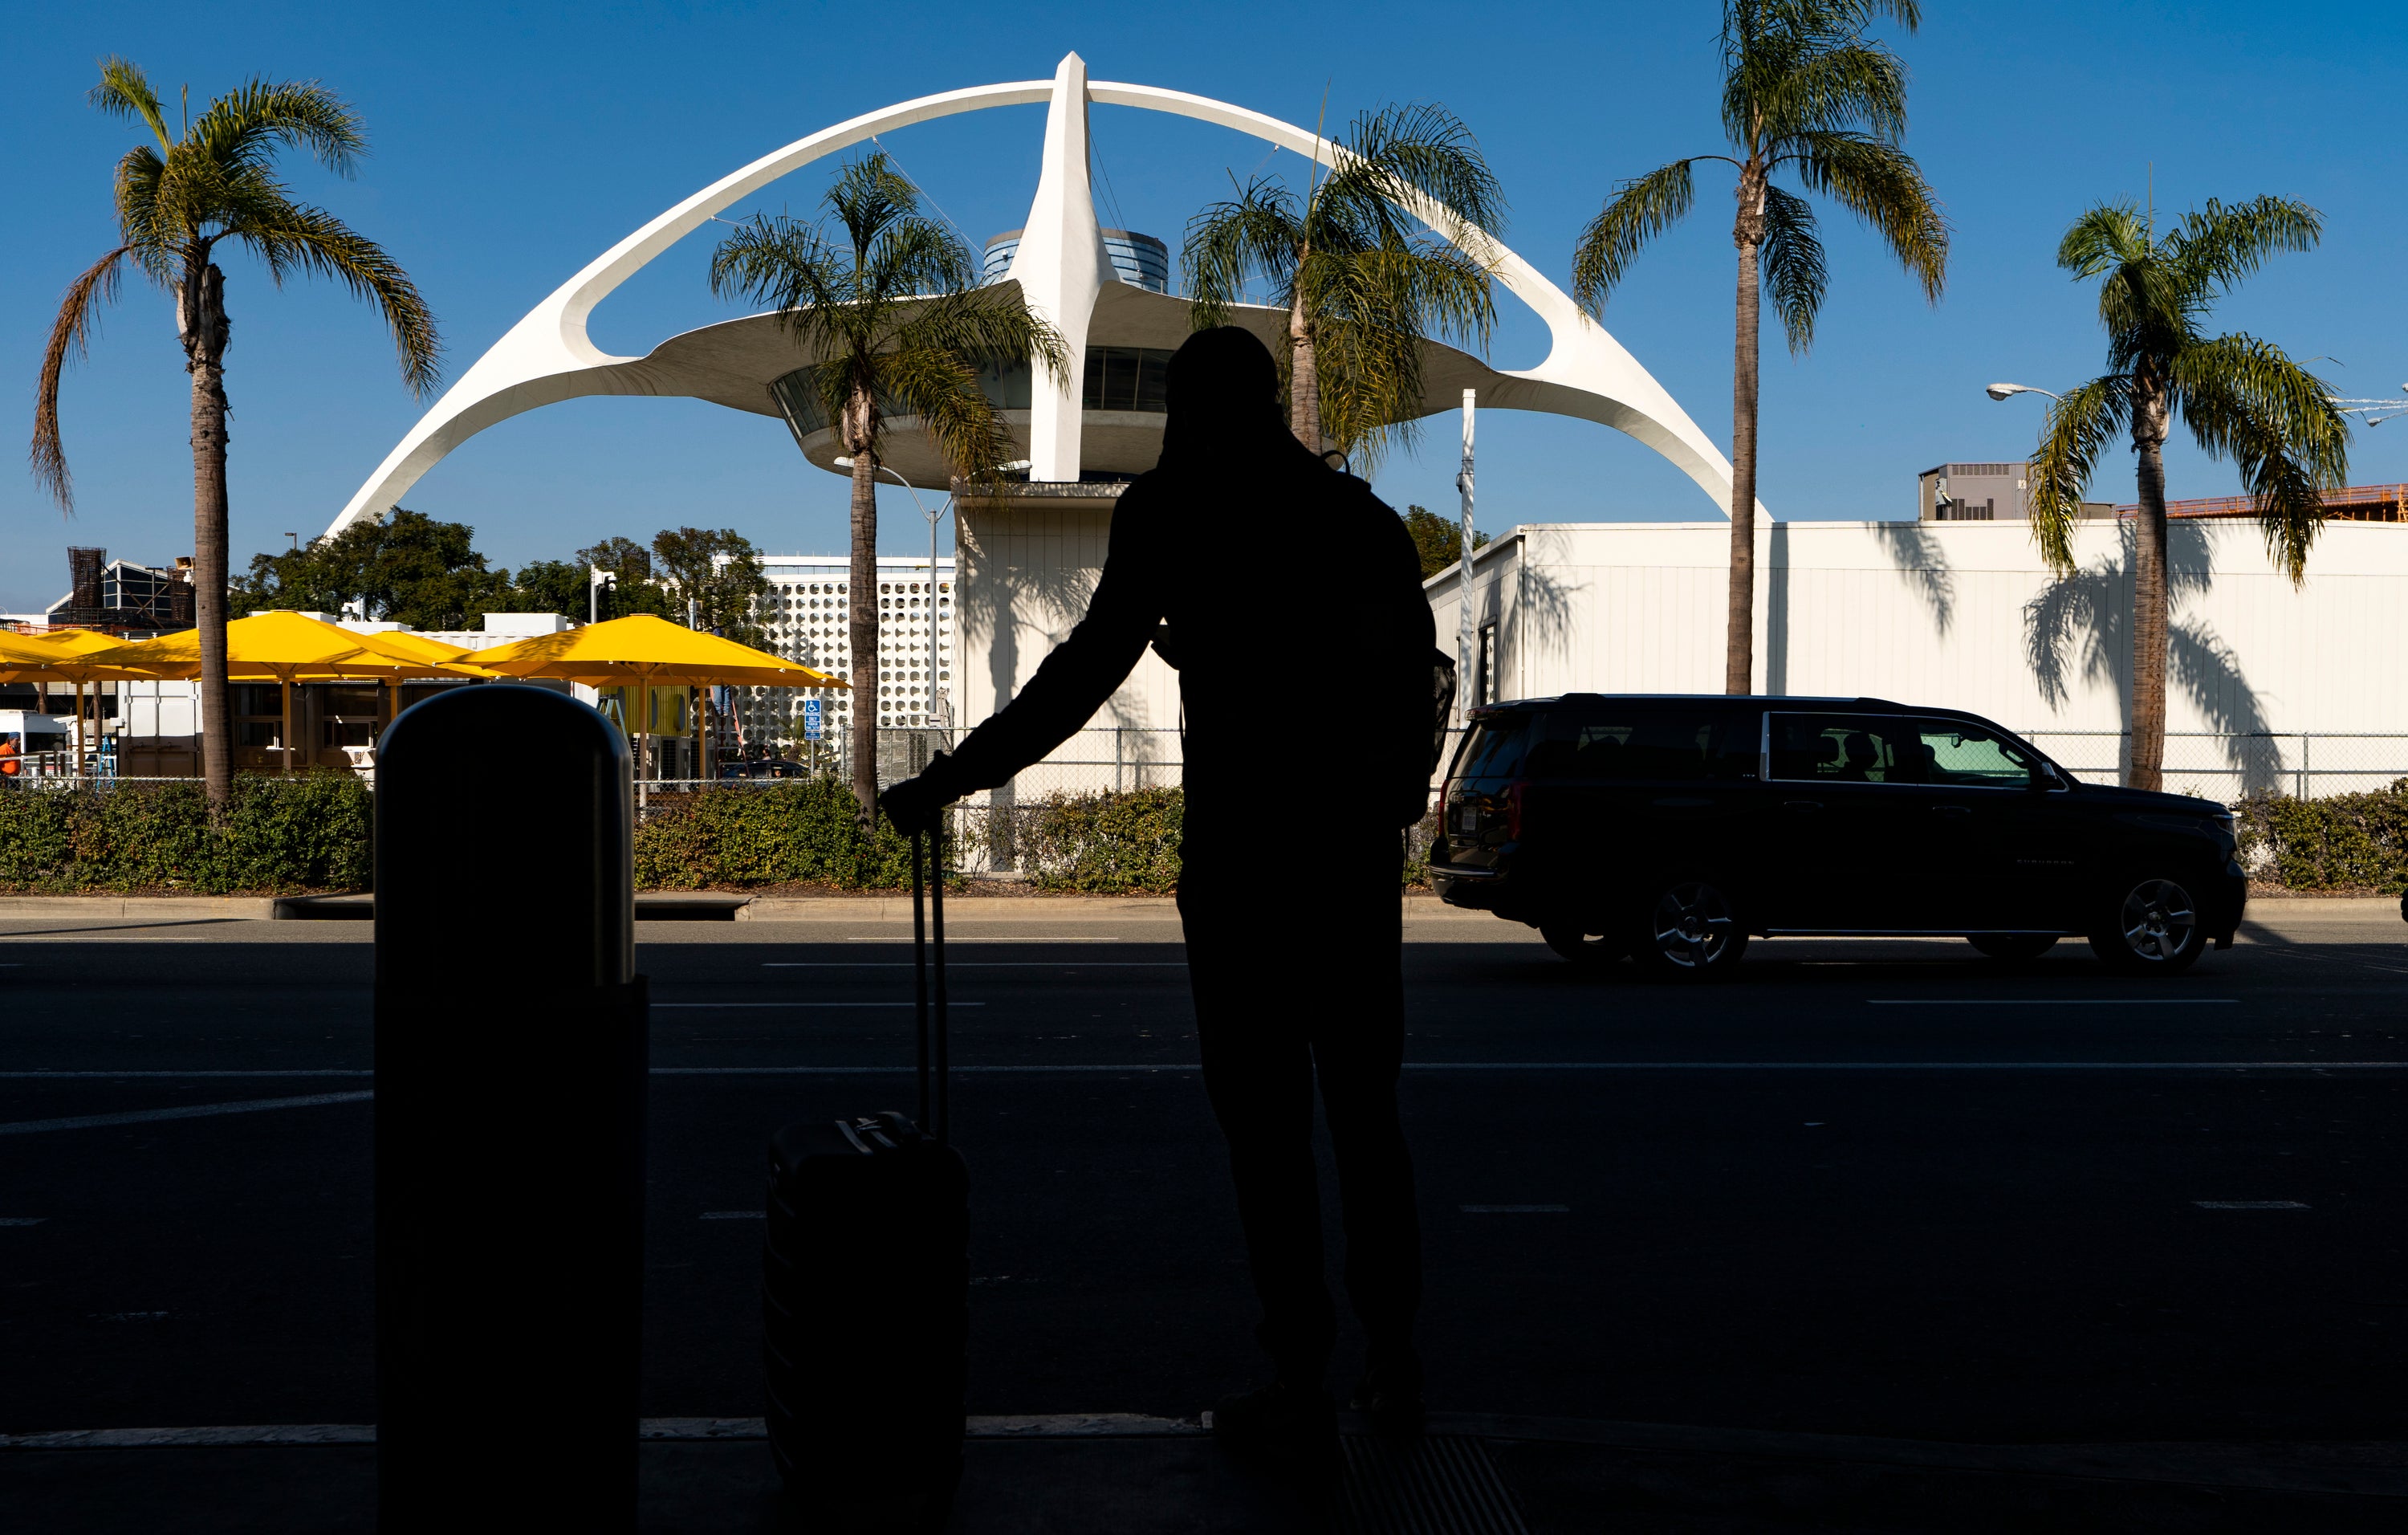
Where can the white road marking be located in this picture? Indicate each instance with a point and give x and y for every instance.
(983, 965)
(176, 1076)
(2249, 1204)
(195, 1111)
(951, 939)
(2051, 1002)
(807, 1004)
(1515, 1209)
(23, 1220)
(735, 1215)
(1014, 1425)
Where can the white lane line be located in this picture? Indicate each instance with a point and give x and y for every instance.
(952, 938)
(1575, 1066)
(1015, 1426)
(23, 1220)
(176, 1076)
(983, 965)
(1515, 1209)
(1190, 1066)
(2051, 1002)
(735, 1215)
(2249, 1204)
(807, 1004)
(196, 1110)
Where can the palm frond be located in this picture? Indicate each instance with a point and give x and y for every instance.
(70, 337)
(789, 266)
(125, 91)
(869, 194)
(290, 237)
(910, 256)
(244, 127)
(2076, 430)
(937, 385)
(1640, 209)
(2246, 399)
(1882, 185)
(2218, 245)
(1794, 271)
(138, 211)
(2106, 236)
(1852, 87)
(984, 325)
(1254, 235)
(1417, 159)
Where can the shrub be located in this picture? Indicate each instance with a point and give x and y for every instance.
(2354, 841)
(1101, 844)
(792, 831)
(310, 832)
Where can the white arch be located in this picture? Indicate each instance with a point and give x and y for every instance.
(547, 357)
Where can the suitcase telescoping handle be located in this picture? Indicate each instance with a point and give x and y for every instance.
(928, 922)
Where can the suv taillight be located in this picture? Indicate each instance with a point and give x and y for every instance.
(1513, 812)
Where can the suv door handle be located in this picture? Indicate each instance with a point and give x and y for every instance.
(1952, 810)
(1801, 807)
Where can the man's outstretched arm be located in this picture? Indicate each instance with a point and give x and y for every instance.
(1071, 684)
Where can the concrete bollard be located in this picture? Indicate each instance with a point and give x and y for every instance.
(511, 1075)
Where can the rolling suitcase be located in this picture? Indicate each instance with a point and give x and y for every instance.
(865, 1287)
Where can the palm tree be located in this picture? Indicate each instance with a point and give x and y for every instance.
(1803, 90)
(2241, 398)
(894, 315)
(178, 199)
(1361, 286)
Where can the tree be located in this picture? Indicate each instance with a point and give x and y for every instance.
(892, 307)
(1439, 539)
(1803, 91)
(2240, 397)
(547, 586)
(409, 569)
(721, 571)
(629, 565)
(178, 199)
(1362, 287)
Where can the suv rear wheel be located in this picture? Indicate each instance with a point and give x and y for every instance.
(1571, 938)
(1690, 932)
(2149, 927)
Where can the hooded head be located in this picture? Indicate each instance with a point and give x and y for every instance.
(1224, 407)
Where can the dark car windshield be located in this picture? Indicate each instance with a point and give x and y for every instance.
(1657, 745)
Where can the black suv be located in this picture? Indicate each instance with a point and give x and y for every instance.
(1671, 828)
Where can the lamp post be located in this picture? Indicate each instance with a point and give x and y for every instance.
(2008, 391)
(940, 706)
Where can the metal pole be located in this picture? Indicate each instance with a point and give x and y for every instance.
(1464, 659)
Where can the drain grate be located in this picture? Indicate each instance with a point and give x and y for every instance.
(1438, 1484)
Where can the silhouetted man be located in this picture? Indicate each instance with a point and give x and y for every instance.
(1309, 704)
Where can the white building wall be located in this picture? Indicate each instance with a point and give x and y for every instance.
(1028, 567)
(806, 613)
(1965, 614)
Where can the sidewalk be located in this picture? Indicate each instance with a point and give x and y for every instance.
(1120, 1474)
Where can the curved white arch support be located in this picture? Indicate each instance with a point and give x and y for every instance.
(547, 357)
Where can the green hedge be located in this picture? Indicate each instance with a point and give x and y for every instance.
(794, 831)
(1100, 844)
(313, 832)
(2341, 842)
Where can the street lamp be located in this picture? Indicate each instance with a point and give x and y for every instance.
(2368, 408)
(2006, 390)
(940, 706)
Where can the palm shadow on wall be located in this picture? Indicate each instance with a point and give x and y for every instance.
(2078, 631)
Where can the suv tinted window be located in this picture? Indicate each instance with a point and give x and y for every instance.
(1847, 748)
(1497, 745)
(1967, 755)
(1653, 744)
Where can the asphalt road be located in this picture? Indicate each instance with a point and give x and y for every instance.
(1864, 1189)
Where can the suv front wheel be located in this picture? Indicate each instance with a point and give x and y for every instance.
(1690, 932)
(2149, 927)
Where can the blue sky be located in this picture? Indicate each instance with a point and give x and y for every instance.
(512, 143)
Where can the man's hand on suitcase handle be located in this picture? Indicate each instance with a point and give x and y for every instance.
(914, 804)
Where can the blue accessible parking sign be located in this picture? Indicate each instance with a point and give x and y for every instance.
(810, 719)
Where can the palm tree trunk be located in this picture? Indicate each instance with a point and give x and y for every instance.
(201, 316)
(862, 611)
(1304, 375)
(1739, 645)
(2149, 600)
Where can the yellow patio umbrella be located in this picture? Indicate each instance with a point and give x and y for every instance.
(644, 651)
(285, 647)
(439, 658)
(63, 655)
